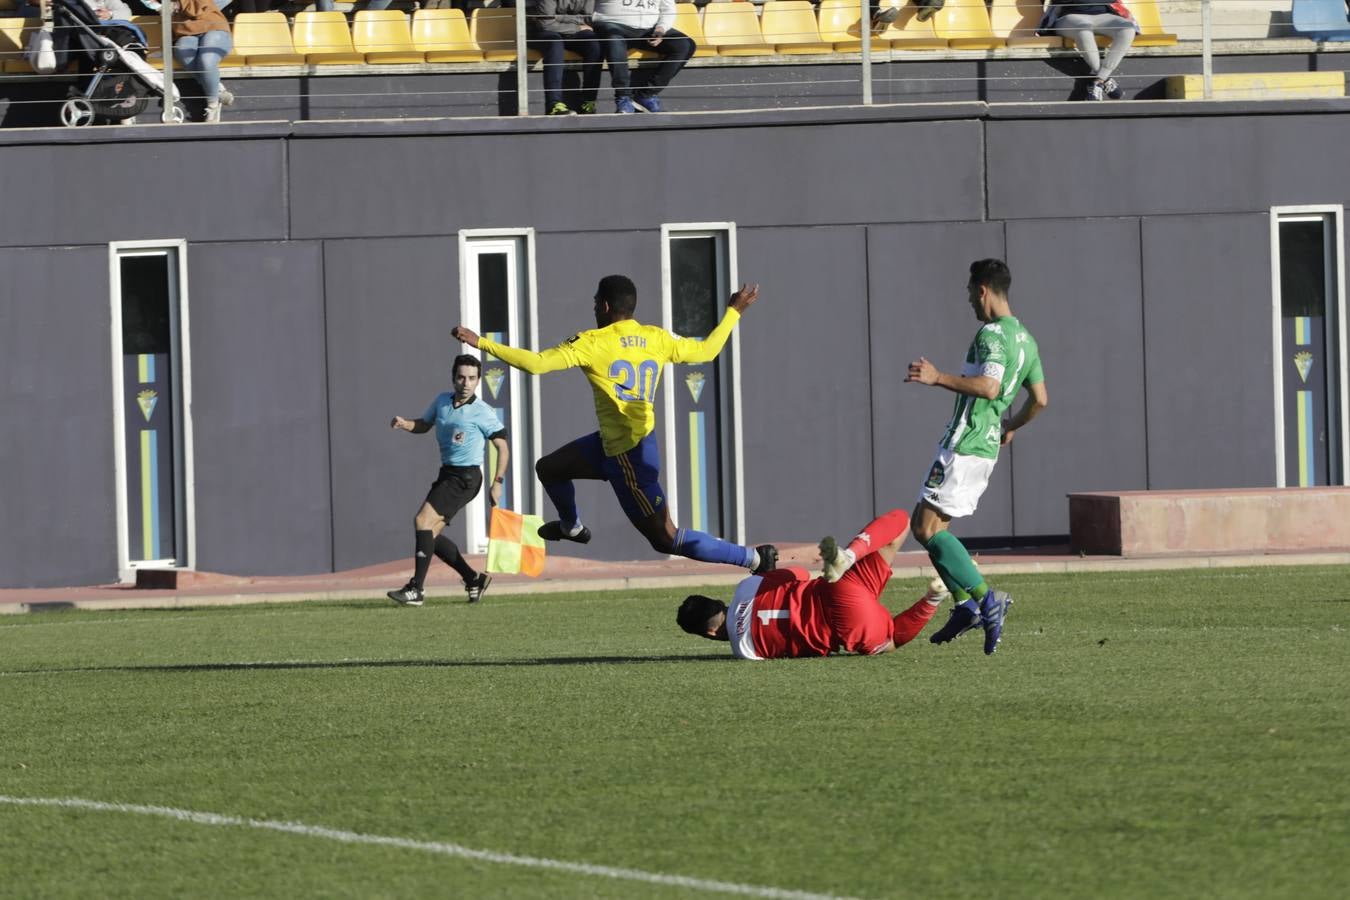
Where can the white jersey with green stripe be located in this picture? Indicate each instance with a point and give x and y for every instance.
(1002, 349)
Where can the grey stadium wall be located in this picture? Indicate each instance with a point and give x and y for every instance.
(324, 278)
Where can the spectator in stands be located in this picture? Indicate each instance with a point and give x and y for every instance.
(251, 6)
(201, 40)
(109, 9)
(373, 5)
(621, 24)
(555, 26)
(1082, 22)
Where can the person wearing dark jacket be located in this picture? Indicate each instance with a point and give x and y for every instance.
(1082, 22)
(554, 27)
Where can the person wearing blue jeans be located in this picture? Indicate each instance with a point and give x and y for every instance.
(372, 6)
(554, 27)
(201, 40)
(646, 24)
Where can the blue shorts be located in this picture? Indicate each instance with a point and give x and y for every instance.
(635, 475)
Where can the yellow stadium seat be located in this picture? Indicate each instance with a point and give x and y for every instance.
(154, 43)
(732, 29)
(493, 29)
(1151, 32)
(443, 35)
(384, 37)
(908, 33)
(790, 25)
(325, 39)
(233, 59)
(689, 23)
(964, 25)
(13, 40)
(264, 39)
(1015, 22)
(841, 26)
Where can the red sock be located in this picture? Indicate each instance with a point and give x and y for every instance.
(878, 533)
(909, 623)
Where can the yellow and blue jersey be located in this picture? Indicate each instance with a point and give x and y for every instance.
(623, 363)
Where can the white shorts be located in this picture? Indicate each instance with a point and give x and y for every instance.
(956, 482)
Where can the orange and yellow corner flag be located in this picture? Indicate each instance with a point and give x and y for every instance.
(514, 544)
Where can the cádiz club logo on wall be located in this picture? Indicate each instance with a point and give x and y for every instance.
(494, 378)
(146, 400)
(695, 382)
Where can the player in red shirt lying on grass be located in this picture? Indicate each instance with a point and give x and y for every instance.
(787, 613)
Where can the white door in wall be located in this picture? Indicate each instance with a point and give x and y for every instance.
(497, 301)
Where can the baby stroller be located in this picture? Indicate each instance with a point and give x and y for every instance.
(112, 53)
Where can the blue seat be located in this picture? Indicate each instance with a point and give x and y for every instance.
(1322, 20)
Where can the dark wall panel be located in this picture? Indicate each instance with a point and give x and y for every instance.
(637, 179)
(259, 408)
(1133, 166)
(390, 307)
(569, 267)
(917, 307)
(1207, 321)
(1076, 287)
(807, 416)
(56, 459)
(82, 194)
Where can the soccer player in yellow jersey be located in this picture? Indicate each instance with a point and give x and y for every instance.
(622, 359)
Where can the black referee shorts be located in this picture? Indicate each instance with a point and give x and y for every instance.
(453, 488)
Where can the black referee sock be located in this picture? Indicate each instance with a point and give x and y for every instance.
(426, 545)
(450, 555)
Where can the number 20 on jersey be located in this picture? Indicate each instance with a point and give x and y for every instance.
(634, 382)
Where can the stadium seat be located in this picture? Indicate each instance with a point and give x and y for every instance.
(908, 33)
(1151, 32)
(384, 37)
(154, 44)
(1321, 20)
(732, 29)
(493, 29)
(325, 39)
(690, 23)
(443, 35)
(841, 27)
(13, 39)
(264, 39)
(790, 25)
(964, 25)
(234, 58)
(1015, 22)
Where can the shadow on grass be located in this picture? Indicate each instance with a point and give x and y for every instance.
(288, 665)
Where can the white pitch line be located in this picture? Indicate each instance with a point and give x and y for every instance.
(438, 847)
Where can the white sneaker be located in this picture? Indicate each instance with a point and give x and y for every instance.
(212, 112)
(226, 96)
(834, 562)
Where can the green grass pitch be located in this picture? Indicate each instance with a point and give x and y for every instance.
(1178, 734)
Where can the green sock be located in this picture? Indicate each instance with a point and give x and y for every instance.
(955, 566)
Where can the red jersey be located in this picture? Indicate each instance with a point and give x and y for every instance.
(781, 614)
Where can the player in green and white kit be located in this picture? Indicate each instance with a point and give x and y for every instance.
(1002, 359)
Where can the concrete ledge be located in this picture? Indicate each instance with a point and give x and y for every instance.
(1174, 523)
